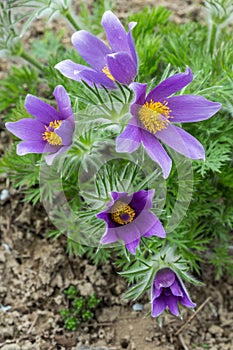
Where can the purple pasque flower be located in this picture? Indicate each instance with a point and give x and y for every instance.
(117, 62)
(153, 116)
(128, 218)
(51, 131)
(167, 291)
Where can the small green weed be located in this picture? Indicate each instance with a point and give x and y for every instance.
(80, 309)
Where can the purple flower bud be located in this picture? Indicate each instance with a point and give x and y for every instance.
(167, 291)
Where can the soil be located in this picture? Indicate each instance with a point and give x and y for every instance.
(35, 270)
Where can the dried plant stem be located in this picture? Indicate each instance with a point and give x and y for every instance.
(192, 316)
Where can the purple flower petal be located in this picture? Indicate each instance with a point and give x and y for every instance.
(42, 111)
(110, 236)
(156, 151)
(132, 246)
(170, 85)
(122, 67)
(49, 158)
(186, 301)
(65, 131)
(129, 140)
(155, 292)
(168, 287)
(105, 216)
(191, 108)
(92, 50)
(182, 142)
(176, 289)
(142, 200)
(71, 69)
(27, 129)
(164, 278)
(35, 147)
(172, 303)
(158, 306)
(145, 221)
(63, 102)
(140, 94)
(115, 32)
(121, 195)
(156, 230)
(80, 72)
(128, 233)
(131, 42)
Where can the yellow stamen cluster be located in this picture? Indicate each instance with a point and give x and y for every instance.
(154, 116)
(50, 136)
(119, 209)
(106, 71)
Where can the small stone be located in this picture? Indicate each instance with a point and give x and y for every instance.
(6, 246)
(138, 307)
(5, 308)
(4, 194)
(11, 347)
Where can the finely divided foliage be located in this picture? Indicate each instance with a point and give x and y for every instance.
(124, 92)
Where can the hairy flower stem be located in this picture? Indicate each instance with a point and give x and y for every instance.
(214, 32)
(31, 60)
(71, 20)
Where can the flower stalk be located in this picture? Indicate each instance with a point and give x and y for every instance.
(214, 34)
(31, 60)
(66, 13)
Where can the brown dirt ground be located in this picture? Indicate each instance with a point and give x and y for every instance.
(34, 271)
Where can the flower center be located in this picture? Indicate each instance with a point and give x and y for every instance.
(106, 71)
(50, 136)
(122, 213)
(154, 116)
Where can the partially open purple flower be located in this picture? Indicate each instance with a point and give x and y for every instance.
(51, 131)
(128, 218)
(154, 115)
(167, 291)
(119, 62)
